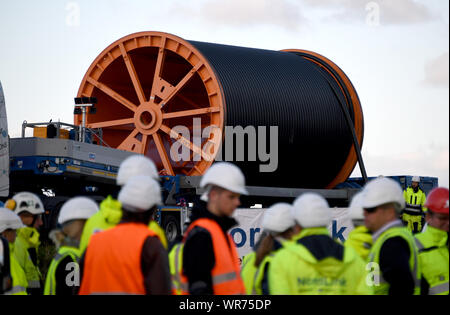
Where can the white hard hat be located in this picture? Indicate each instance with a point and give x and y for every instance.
(25, 201)
(355, 210)
(77, 208)
(416, 179)
(225, 175)
(9, 220)
(140, 194)
(381, 191)
(278, 218)
(311, 210)
(136, 165)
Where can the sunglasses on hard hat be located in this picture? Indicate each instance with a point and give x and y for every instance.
(371, 210)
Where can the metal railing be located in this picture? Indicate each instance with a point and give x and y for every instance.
(97, 133)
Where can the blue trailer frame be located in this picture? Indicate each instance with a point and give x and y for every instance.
(179, 192)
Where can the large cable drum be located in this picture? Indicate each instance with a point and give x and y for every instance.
(148, 84)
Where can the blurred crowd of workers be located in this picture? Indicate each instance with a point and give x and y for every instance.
(118, 248)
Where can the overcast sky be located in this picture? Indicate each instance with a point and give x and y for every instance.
(396, 53)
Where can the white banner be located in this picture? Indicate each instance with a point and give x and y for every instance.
(4, 148)
(247, 233)
(341, 224)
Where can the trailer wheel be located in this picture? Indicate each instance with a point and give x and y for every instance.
(172, 228)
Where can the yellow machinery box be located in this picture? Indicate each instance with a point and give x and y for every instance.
(41, 132)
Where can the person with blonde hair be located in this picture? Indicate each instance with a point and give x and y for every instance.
(279, 227)
(72, 217)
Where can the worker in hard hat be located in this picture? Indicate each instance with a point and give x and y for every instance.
(393, 255)
(279, 225)
(210, 259)
(64, 266)
(313, 263)
(128, 258)
(433, 244)
(110, 209)
(415, 198)
(360, 238)
(29, 208)
(9, 224)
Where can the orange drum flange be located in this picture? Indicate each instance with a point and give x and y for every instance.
(146, 84)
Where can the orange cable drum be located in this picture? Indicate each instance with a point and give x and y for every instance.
(148, 84)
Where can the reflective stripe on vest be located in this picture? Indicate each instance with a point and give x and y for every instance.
(441, 288)
(258, 277)
(248, 270)
(113, 261)
(176, 278)
(254, 282)
(419, 245)
(225, 275)
(415, 262)
(34, 284)
(16, 289)
(17, 277)
(413, 209)
(244, 263)
(184, 288)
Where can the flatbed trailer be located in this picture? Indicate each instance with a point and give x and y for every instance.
(58, 169)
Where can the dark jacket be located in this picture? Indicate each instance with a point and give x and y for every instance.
(5, 275)
(394, 265)
(61, 274)
(155, 267)
(198, 252)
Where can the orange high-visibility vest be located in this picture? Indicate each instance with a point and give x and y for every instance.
(113, 261)
(226, 278)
